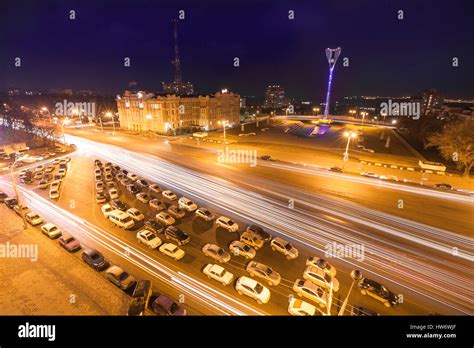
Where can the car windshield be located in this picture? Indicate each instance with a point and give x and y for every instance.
(174, 308)
(246, 248)
(206, 212)
(288, 246)
(258, 288)
(230, 222)
(173, 249)
(123, 276)
(151, 237)
(127, 219)
(95, 256)
(69, 240)
(327, 277)
(220, 251)
(52, 229)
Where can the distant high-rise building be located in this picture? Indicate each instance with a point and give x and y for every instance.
(275, 97)
(177, 86)
(430, 100)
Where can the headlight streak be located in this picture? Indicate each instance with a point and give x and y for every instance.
(301, 226)
(70, 222)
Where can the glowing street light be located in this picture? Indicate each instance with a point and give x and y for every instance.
(224, 124)
(148, 117)
(66, 121)
(363, 114)
(356, 275)
(349, 135)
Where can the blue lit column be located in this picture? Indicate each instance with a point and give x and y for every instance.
(332, 54)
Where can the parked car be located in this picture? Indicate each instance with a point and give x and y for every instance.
(157, 204)
(227, 224)
(251, 288)
(55, 185)
(444, 186)
(24, 210)
(43, 184)
(54, 193)
(177, 235)
(154, 188)
(251, 239)
(95, 259)
(142, 183)
(176, 212)
(216, 252)
(133, 189)
(99, 186)
(265, 272)
(163, 305)
(3, 196)
(204, 214)
(51, 230)
(239, 248)
(172, 251)
(119, 277)
(311, 291)
(216, 272)
(135, 214)
(118, 204)
(154, 226)
(132, 176)
(10, 202)
(321, 263)
(121, 219)
(165, 218)
(149, 239)
(378, 292)
(33, 219)
(335, 169)
(113, 193)
(169, 195)
(302, 308)
(260, 232)
(369, 175)
(187, 204)
(106, 210)
(100, 198)
(69, 243)
(143, 197)
(140, 297)
(321, 278)
(283, 247)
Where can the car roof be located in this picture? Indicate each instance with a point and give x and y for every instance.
(248, 281)
(49, 225)
(217, 268)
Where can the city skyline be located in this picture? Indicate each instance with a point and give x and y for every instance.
(208, 50)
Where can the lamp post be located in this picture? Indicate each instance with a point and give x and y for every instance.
(44, 108)
(356, 275)
(363, 113)
(16, 192)
(349, 135)
(148, 118)
(109, 114)
(224, 124)
(66, 121)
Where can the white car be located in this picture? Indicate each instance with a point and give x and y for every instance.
(283, 247)
(301, 308)
(369, 175)
(227, 224)
(43, 184)
(251, 288)
(239, 248)
(157, 204)
(218, 273)
(172, 251)
(154, 188)
(54, 193)
(321, 263)
(169, 194)
(55, 185)
(99, 186)
(51, 230)
(113, 193)
(311, 291)
(132, 176)
(135, 214)
(33, 219)
(319, 277)
(109, 177)
(97, 171)
(49, 169)
(62, 172)
(143, 197)
(187, 204)
(205, 214)
(149, 239)
(165, 218)
(106, 210)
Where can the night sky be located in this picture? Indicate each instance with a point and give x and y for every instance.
(387, 56)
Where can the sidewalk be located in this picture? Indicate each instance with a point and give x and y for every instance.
(57, 283)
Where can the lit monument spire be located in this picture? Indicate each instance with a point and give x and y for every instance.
(332, 54)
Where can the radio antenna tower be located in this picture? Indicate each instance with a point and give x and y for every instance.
(176, 62)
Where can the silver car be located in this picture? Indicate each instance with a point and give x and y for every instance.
(263, 271)
(216, 252)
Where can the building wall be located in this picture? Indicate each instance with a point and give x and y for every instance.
(172, 112)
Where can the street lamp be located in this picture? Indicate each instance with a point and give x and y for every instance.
(66, 121)
(16, 192)
(109, 114)
(349, 135)
(149, 118)
(224, 124)
(356, 275)
(363, 114)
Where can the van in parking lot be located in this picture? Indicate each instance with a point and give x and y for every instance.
(121, 219)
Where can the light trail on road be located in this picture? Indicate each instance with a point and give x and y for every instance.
(450, 285)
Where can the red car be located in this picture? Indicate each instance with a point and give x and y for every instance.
(69, 243)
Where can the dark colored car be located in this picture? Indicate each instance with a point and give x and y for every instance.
(444, 186)
(142, 182)
(378, 291)
(259, 232)
(98, 163)
(69, 243)
(163, 305)
(94, 259)
(177, 235)
(335, 169)
(134, 189)
(140, 297)
(10, 202)
(26, 179)
(154, 226)
(118, 204)
(3, 196)
(266, 158)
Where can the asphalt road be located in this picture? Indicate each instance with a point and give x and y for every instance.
(387, 256)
